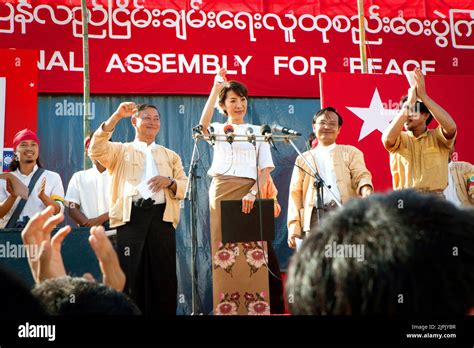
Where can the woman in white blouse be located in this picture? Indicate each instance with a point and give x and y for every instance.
(240, 277)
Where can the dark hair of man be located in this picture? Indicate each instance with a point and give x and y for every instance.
(141, 107)
(324, 111)
(419, 106)
(16, 300)
(90, 298)
(238, 88)
(418, 259)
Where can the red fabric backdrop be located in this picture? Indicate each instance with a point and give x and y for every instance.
(355, 97)
(277, 47)
(19, 68)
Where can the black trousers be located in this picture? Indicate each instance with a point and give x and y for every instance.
(147, 252)
(313, 225)
(277, 305)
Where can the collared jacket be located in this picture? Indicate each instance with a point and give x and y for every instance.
(463, 177)
(126, 164)
(351, 175)
(420, 163)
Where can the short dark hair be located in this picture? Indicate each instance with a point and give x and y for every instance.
(326, 110)
(144, 106)
(90, 298)
(237, 87)
(420, 107)
(16, 300)
(418, 259)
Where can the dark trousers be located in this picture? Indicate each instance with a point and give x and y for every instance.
(147, 252)
(314, 216)
(277, 305)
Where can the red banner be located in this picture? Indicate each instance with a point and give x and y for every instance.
(18, 97)
(373, 102)
(277, 47)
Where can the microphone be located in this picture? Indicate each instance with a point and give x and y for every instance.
(229, 133)
(267, 132)
(198, 129)
(212, 136)
(284, 130)
(251, 136)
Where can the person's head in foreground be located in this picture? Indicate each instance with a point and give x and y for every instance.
(78, 296)
(397, 254)
(16, 300)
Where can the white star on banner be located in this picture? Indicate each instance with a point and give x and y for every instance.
(375, 117)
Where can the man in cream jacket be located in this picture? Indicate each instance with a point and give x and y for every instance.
(342, 167)
(147, 183)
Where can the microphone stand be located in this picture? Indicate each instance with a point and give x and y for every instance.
(319, 184)
(191, 196)
(267, 136)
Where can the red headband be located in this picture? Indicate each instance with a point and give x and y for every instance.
(23, 135)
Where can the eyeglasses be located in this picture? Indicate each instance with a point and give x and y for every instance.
(329, 125)
(150, 119)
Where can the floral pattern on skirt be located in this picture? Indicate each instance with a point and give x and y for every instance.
(240, 280)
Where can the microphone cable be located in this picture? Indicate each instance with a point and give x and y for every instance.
(260, 219)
